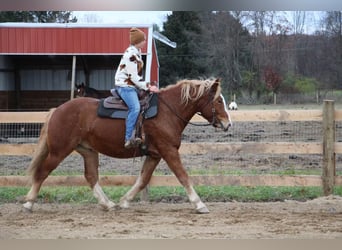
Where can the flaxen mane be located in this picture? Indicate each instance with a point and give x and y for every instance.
(193, 89)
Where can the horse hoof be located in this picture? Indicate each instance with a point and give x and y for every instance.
(28, 207)
(111, 205)
(124, 204)
(107, 206)
(203, 210)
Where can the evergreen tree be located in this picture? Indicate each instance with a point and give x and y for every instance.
(179, 63)
(37, 16)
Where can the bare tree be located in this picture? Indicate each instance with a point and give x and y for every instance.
(333, 30)
(298, 20)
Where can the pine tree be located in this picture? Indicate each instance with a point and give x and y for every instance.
(37, 16)
(179, 63)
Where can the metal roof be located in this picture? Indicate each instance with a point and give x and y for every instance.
(67, 38)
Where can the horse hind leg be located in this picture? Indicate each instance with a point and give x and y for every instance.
(39, 157)
(91, 163)
(42, 165)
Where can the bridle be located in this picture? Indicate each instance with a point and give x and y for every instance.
(210, 101)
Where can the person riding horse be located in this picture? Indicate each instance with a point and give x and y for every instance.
(128, 80)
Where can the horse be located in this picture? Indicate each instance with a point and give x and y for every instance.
(88, 134)
(83, 90)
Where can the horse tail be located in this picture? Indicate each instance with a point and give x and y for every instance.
(41, 150)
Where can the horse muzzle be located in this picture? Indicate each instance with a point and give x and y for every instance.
(224, 125)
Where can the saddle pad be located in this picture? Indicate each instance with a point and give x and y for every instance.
(150, 112)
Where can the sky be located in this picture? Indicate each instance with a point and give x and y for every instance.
(159, 17)
(122, 17)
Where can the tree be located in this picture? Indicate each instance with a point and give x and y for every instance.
(272, 80)
(37, 16)
(298, 20)
(333, 31)
(181, 27)
(224, 46)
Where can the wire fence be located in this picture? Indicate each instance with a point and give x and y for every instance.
(212, 163)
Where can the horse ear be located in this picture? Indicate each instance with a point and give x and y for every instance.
(218, 80)
(82, 84)
(216, 85)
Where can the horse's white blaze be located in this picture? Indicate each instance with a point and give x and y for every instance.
(226, 109)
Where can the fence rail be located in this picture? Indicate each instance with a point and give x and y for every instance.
(328, 148)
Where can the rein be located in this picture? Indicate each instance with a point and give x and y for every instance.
(187, 121)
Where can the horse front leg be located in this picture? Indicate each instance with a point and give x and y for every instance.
(91, 163)
(143, 179)
(173, 160)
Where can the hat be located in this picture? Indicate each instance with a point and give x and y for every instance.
(136, 36)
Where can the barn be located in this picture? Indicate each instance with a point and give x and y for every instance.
(41, 63)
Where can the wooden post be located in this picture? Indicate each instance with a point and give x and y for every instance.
(329, 163)
(73, 74)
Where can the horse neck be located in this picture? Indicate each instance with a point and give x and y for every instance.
(179, 112)
(92, 90)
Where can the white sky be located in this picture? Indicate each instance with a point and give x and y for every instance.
(122, 17)
(159, 17)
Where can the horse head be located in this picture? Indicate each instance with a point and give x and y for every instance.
(80, 90)
(212, 106)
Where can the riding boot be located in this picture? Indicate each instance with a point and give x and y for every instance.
(132, 143)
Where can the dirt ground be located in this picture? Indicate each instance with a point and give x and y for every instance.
(318, 218)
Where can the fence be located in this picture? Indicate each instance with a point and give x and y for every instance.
(327, 148)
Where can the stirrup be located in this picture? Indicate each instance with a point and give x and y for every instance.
(133, 143)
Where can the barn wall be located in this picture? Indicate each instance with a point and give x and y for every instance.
(61, 79)
(6, 73)
(64, 39)
(7, 100)
(42, 100)
(102, 79)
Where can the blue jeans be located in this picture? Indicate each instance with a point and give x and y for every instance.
(130, 97)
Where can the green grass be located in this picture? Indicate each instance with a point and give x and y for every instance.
(83, 195)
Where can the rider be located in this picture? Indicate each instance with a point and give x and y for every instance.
(128, 79)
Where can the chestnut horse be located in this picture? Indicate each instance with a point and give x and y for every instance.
(75, 126)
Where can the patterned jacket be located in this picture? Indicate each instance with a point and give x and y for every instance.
(129, 72)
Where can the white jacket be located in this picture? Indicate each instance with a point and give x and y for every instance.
(127, 73)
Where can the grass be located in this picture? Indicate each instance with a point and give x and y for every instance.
(83, 195)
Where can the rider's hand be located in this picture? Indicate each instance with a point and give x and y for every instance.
(153, 83)
(153, 89)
